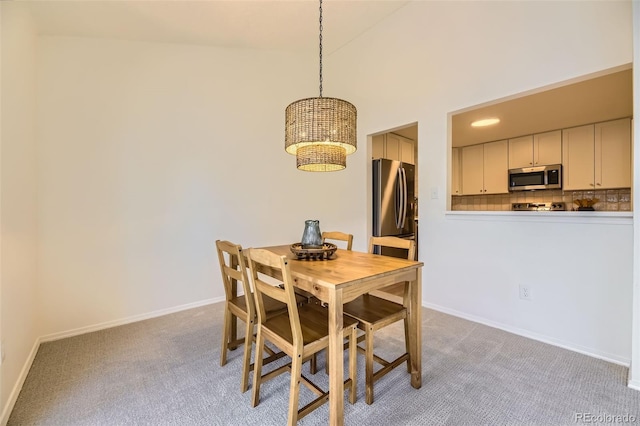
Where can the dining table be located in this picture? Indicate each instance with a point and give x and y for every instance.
(344, 276)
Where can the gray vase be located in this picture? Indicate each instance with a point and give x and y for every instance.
(311, 237)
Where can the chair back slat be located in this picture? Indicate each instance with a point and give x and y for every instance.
(276, 267)
(233, 273)
(338, 236)
(394, 242)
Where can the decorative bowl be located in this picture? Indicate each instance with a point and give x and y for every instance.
(322, 253)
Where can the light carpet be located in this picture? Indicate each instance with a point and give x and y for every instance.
(166, 371)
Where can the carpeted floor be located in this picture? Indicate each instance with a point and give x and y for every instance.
(165, 371)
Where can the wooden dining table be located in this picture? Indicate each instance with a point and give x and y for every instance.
(340, 279)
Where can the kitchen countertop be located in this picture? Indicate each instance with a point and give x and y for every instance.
(617, 218)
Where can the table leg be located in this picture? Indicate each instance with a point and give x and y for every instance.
(415, 329)
(336, 359)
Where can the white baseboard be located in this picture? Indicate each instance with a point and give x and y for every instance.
(634, 384)
(6, 412)
(13, 396)
(128, 320)
(535, 336)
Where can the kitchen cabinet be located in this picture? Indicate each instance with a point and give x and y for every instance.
(456, 188)
(597, 156)
(393, 147)
(484, 168)
(541, 149)
(377, 146)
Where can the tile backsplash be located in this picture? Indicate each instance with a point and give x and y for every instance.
(610, 200)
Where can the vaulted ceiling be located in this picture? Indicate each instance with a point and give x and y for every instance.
(290, 25)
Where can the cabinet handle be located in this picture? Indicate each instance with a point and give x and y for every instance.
(599, 184)
(591, 184)
(530, 163)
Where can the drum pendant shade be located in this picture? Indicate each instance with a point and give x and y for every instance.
(320, 131)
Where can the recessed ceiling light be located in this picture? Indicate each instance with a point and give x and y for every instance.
(485, 122)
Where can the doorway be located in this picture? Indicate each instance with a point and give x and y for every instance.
(394, 210)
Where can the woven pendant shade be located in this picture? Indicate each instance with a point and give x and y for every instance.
(321, 158)
(325, 121)
(320, 132)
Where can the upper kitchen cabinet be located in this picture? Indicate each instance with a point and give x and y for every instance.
(541, 149)
(484, 168)
(597, 156)
(393, 147)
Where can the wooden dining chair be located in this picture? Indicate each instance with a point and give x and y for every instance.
(393, 292)
(300, 332)
(374, 313)
(338, 236)
(234, 270)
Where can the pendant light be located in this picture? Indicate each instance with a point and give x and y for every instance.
(320, 131)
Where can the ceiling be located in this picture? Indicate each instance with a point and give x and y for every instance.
(603, 98)
(290, 25)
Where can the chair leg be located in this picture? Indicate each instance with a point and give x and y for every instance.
(406, 344)
(353, 353)
(369, 365)
(313, 364)
(246, 365)
(226, 333)
(294, 390)
(257, 369)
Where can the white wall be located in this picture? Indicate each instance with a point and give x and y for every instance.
(432, 58)
(18, 307)
(634, 374)
(147, 154)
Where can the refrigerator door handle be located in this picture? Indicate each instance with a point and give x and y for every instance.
(404, 198)
(398, 191)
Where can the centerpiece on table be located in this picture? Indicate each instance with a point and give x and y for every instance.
(311, 246)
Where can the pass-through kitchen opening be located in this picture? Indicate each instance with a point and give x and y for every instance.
(529, 154)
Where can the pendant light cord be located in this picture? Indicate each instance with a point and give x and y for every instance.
(320, 48)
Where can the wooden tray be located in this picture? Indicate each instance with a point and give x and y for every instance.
(323, 253)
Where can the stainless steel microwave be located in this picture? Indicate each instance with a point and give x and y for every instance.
(532, 178)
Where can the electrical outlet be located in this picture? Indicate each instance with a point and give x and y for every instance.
(525, 292)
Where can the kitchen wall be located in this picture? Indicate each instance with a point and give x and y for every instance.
(611, 200)
(18, 191)
(474, 264)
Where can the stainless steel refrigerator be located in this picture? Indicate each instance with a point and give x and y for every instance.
(394, 202)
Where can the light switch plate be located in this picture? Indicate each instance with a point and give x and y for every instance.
(434, 193)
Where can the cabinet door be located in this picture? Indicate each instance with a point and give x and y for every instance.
(455, 172)
(377, 147)
(392, 148)
(613, 154)
(406, 151)
(472, 170)
(547, 148)
(521, 152)
(578, 157)
(496, 165)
